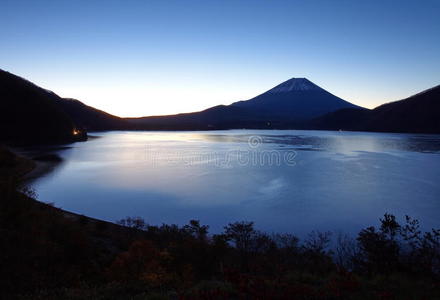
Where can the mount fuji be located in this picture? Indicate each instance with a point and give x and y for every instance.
(295, 99)
(287, 105)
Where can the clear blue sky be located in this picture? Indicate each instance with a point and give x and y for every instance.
(134, 58)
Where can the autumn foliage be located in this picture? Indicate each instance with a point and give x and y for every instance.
(47, 253)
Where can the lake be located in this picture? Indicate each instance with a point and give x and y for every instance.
(283, 180)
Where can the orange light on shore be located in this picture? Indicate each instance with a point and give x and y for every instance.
(75, 132)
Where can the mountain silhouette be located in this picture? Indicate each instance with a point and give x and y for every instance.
(30, 114)
(217, 117)
(287, 105)
(419, 113)
(295, 99)
(90, 118)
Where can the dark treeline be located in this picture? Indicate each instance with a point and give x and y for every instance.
(393, 261)
(47, 253)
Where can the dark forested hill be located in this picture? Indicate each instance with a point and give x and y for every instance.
(217, 117)
(90, 118)
(30, 114)
(417, 114)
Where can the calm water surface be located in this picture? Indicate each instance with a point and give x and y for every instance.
(284, 181)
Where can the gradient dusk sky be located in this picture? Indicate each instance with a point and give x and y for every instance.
(137, 58)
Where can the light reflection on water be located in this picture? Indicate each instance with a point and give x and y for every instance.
(333, 180)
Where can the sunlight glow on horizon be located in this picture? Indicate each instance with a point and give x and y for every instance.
(152, 99)
(145, 58)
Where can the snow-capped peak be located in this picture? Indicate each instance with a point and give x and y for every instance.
(294, 84)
